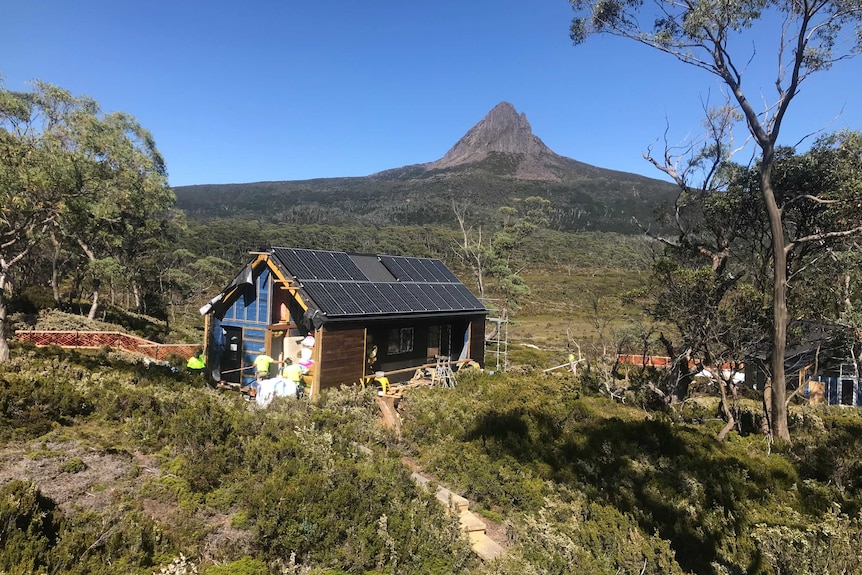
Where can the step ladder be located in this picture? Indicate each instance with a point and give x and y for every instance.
(443, 374)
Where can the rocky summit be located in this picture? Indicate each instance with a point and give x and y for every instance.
(504, 131)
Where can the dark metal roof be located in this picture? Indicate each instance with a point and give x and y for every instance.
(345, 286)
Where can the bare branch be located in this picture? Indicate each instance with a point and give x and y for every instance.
(822, 236)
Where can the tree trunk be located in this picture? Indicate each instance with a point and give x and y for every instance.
(778, 415)
(137, 294)
(55, 271)
(4, 319)
(95, 302)
(729, 407)
(767, 407)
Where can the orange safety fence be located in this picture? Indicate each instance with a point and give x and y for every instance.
(661, 362)
(97, 339)
(645, 360)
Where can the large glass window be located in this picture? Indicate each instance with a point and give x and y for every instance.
(400, 340)
(439, 340)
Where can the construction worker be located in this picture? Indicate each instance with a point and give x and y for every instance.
(196, 363)
(292, 372)
(261, 365)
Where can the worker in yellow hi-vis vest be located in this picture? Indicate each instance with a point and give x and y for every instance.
(262, 364)
(292, 372)
(196, 363)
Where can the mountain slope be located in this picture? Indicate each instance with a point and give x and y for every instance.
(497, 160)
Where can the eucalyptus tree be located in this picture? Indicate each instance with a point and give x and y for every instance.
(35, 175)
(820, 192)
(124, 212)
(721, 38)
(498, 254)
(717, 306)
(85, 181)
(21, 216)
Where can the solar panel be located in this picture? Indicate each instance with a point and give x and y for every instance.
(362, 298)
(408, 296)
(438, 298)
(416, 297)
(409, 266)
(444, 272)
(448, 299)
(323, 299)
(295, 265)
(418, 269)
(466, 296)
(374, 293)
(341, 293)
(366, 302)
(460, 294)
(427, 270)
(345, 268)
(319, 265)
(319, 269)
(393, 264)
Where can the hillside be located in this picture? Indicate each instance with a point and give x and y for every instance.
(108, 466)
(497, 160)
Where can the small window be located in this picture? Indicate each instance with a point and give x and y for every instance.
(400, 340)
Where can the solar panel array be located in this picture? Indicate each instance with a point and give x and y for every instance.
(337, 286)
(347, 299)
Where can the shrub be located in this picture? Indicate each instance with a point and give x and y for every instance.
(244, 566)
(30, 525)
(570, 531)
(827, 546)
(73, 465)
(329, 506)
(33, 399)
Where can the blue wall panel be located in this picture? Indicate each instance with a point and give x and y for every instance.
(252, 315)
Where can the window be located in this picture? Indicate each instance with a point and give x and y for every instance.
(400, 340)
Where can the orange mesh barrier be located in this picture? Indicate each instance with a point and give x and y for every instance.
(97, 339)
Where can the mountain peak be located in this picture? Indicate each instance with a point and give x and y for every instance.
(503, 131)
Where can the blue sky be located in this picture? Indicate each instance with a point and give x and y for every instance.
(289, 90)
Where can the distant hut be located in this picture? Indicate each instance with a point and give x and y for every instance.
(364, 313)
(818, 362)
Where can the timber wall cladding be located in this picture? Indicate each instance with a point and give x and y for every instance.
(342, 357)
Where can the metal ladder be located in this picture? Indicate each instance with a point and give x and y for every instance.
(443, 374)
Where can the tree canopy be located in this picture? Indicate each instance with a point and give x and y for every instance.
(90, 184)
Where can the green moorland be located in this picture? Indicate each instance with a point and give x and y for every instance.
(111, 466)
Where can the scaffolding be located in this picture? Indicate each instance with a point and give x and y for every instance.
(496, 337)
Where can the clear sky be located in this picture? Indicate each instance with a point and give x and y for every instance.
(254, 90)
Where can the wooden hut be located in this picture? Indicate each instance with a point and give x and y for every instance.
(365, 313)
(816, 363)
